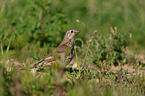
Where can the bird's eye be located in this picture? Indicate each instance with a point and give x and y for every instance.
(71, 31)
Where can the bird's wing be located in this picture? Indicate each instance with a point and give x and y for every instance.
(60, 52)
(63, 49)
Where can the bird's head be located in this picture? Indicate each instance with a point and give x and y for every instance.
(71, 33)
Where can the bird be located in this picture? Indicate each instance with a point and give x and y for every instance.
(63, 54)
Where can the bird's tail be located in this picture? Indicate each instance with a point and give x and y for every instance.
(38, 63)
(48, 58)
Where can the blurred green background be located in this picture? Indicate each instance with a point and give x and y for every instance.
(45, 21)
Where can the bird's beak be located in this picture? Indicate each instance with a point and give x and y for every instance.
(77, 31)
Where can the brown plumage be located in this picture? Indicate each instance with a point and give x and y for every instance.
(63, 54)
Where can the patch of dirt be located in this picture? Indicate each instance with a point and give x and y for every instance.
(130, 69)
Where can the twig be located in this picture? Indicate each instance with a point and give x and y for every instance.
(9, 44)
(2, 48)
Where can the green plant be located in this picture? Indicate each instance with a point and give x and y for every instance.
(109, 48)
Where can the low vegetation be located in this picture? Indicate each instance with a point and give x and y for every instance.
(107, 60)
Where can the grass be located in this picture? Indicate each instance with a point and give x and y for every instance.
(106, 64)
